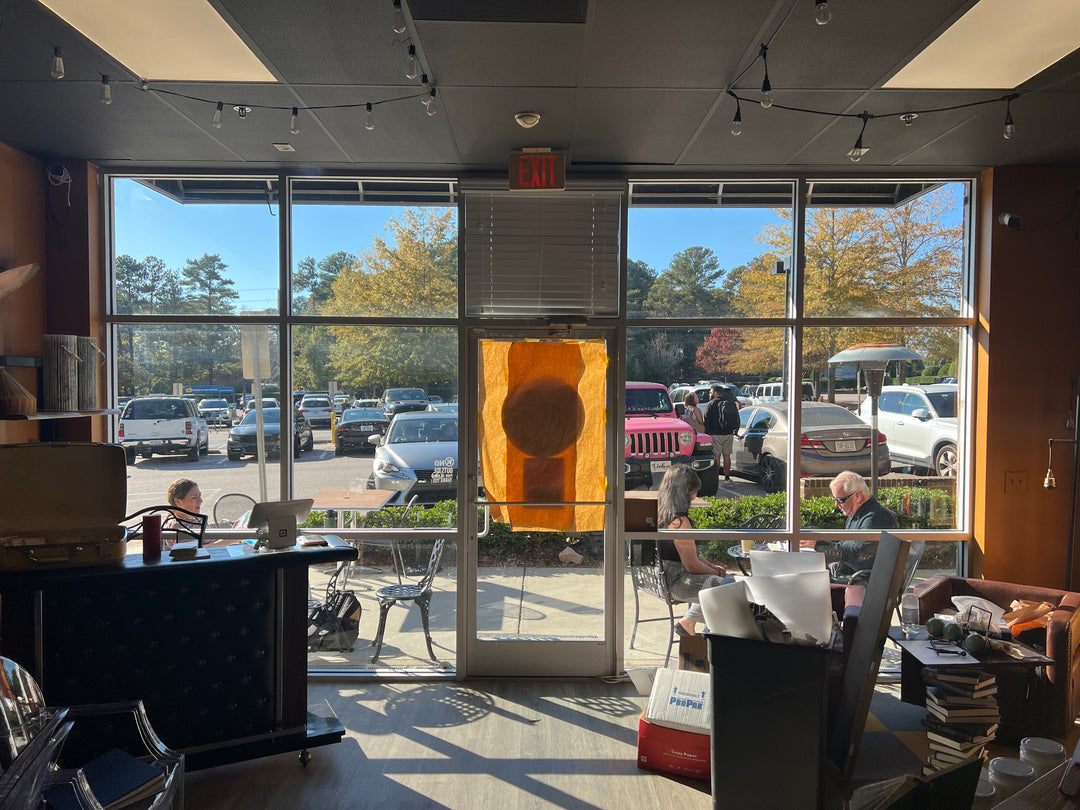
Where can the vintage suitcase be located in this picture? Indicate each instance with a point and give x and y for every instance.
(61, 505)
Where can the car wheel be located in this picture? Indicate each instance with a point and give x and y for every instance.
(770, 474)
(339, 450)
(193, 453)
(205, 449)
(131, 456)
(297, 449)
(235, 456)
(945, 461)
(310, 443)
(710, 481)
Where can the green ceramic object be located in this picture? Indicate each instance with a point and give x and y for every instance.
(976, 644)
(953, 631)
(935, 627)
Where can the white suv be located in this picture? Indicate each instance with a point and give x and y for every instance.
(920, 421)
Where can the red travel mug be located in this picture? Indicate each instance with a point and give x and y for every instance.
(151, 538)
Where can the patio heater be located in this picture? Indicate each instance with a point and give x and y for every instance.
(871, 359)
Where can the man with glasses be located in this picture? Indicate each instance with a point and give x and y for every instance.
(852, 497)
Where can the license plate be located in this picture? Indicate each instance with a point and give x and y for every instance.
(156, 441)
(442, 475)
(845, 447)
(367, 427)
(659, 466)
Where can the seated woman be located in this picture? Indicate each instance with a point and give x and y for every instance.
(183, 492)
(685, 571)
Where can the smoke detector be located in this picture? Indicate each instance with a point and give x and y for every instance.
(527, 120)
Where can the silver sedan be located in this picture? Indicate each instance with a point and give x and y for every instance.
(833, 440)
(418, 456)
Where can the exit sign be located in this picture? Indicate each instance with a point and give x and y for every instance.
(537, 171)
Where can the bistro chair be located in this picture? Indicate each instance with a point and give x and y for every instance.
(419, 592)
(647, 574)
(194, 529)
(230, 508)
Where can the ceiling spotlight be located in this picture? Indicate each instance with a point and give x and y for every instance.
(527, 120)
(822, 15)
(909, 118)
(57, 70)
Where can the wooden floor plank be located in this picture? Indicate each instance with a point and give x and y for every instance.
(489, 743)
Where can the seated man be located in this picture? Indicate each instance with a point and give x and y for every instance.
(852, 497)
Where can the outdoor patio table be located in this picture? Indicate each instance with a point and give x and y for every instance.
(742, 558)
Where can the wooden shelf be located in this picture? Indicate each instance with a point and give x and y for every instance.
(40, 415)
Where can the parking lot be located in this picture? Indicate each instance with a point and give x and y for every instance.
(149, 479)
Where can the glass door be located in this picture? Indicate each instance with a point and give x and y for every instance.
(539, 583)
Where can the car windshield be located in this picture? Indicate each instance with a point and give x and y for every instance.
(214, 403)
(648, 400)
(836, 415)
(426, 431)
(269, 415)
(944, 403)
(156, 409)
(313, 402)
(405, 393)
(362, 415)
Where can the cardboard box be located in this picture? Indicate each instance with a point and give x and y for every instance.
(681, 700)
(682, 753)
(694, 653)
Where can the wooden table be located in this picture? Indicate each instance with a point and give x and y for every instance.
(351, 500)
(1042, 794)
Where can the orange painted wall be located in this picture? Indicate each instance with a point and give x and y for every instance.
(22, 241)
(1028, 352)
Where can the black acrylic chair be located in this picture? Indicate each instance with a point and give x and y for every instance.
(647, 574)
(192, 527)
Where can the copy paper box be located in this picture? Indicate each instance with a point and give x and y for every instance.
(694, 653)
(682, 700)
(682, 753)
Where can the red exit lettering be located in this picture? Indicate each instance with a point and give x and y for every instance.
(543, 171)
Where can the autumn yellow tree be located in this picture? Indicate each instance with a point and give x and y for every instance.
(413, 274)
(860, 263)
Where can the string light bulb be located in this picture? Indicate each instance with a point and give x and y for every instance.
(106, 90)
(369, 117)
(822, 14)
(1010, 127)
(399, 18)
(215, 122)
(412, 64)
(858, 150)
(432, 110)
(424, 87)
(766, 85)
(294, 122)
(57, 69)
(736, 122)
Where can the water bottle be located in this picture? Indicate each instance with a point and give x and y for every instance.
(909, 613)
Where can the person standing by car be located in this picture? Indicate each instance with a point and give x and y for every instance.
(692, 413)
(685, 571)
(853, 498)
(722, 423)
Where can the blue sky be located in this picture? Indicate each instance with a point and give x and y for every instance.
(245, 236)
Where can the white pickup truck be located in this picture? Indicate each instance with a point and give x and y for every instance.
(163, 425)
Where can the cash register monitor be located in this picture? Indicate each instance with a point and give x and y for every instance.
(279, 519)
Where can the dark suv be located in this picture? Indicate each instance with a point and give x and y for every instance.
(403, 400)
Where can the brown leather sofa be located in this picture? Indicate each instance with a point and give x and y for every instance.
(1057, 699)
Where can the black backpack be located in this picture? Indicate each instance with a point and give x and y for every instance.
(729, 416)
(713, 422)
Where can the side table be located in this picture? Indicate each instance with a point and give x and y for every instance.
(742, 558)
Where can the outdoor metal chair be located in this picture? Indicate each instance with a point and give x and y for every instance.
(419, 592)
(762, 520)
(648, 577)
(230, 508)
(193, 528)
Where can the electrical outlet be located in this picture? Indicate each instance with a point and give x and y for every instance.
(1015, 482)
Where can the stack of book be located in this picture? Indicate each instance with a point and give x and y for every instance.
(961, 714)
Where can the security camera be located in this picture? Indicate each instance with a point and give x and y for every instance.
(1009, 220)
(56, 170)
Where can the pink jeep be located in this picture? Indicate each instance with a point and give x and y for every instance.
(656, 438)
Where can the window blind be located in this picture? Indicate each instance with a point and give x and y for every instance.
(538, 255)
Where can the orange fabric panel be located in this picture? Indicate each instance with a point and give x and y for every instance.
(541, 427)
